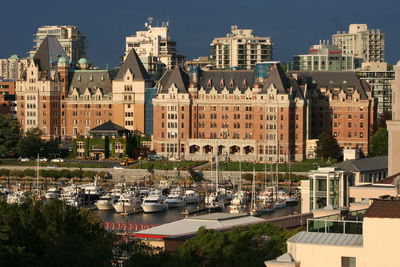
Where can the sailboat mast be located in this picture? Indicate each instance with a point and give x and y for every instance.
(253, 189)
(37, 174)
(216, 173)
(240, 174)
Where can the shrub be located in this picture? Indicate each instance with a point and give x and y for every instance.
(64, 173)
(76, 173)
(16, 173)
(4, 172)
(29, 172)
(89, 174)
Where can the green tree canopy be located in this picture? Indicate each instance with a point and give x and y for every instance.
(327, 147)
(52, 234)
(378, 143)
(9, 135)
(241, 246)
(30, 144)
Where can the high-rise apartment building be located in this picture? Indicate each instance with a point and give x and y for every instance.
(70, 38)
(366, 45)
(380, 80)
(322, 57)
(240, 49)
(154, 46)
(12, 68)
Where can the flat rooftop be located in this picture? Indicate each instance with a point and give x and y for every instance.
(192, 224)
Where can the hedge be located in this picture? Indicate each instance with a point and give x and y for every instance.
(56, 174)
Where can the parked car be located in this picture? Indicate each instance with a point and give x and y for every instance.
(24, 159)
(57, 160)
(118, 168)
(43, 160)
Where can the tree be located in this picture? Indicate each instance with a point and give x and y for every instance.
(30, 144)
(327, 147)
(52, 234)
(9, 135)
(241, 246)
(382, 118)
(378, 143)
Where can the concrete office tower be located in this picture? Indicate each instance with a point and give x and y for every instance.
(323, 57)
(240, 49)
(366, 45)
(12, 68)
(154, 46)
(70, 38)
(394, 125)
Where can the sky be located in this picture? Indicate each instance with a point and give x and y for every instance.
(293, 25)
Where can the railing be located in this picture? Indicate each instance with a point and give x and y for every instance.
(127, 227)
(334, 226)
(291, 221)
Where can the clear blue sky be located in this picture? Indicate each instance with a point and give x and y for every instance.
(293, 25)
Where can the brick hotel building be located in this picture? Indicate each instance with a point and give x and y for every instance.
(67, 101)
(243, 115)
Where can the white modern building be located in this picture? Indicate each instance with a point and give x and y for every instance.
(12, 68)
(367, 45)
(323, 57)
(240, 49)
(364, 238)
(70, 38)
(154, 46)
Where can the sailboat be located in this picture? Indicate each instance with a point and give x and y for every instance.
(215, 200)
(290, 199)
(255, 210)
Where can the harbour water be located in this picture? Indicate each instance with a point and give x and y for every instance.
(175, 214)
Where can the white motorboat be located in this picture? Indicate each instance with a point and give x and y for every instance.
(17, 197)
(106, 202)
(192, 197)
(127, 203)
(237, 205)
(53, 193)
(175, 198)
(72, 195)
(154, 202)
(92, 192)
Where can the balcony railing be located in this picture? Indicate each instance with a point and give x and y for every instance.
(332, 226)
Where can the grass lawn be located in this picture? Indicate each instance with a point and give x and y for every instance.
(61, 164)
(304, 166)
(167, 165)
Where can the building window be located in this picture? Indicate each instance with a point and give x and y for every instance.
(348, 262)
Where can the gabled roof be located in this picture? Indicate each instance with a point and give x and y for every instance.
(178, 77)
(383, 209)
(135, 66)
(91, 79)
(334, 79)
(229, 79)
(364, 164)
(278, 78)
(108, 127)
(48, 53)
